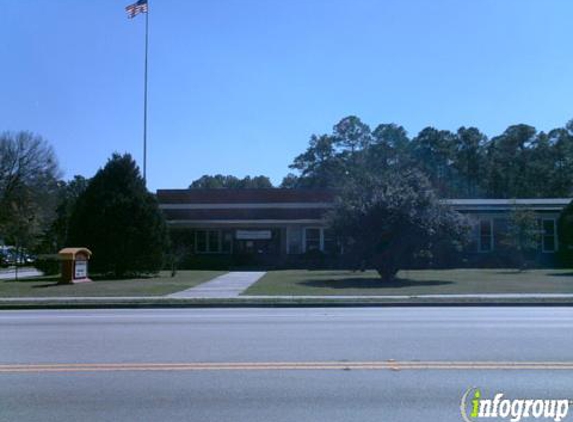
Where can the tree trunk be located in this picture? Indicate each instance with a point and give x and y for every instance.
(387, 273)
(16, 263)
(386, 265)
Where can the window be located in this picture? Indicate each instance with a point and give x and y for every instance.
(201, 241)
(312, 240)
(549, 241)
(208, 241)
(320, 239)
(214, 244)
(329, 241)
(227, 241)
(485, 235)
(294, 240)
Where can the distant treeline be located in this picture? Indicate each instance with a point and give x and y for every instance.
(519, 163)
(220, 181)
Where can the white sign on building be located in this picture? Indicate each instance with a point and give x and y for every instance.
(253, 235)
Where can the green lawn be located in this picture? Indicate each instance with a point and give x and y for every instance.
(161, 285)
(457, 281)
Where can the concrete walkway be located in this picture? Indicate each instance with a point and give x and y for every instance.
(227, 285)
(10, 274)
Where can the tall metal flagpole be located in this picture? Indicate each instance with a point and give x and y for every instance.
(145, 100)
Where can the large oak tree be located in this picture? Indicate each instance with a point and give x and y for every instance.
(386, 220)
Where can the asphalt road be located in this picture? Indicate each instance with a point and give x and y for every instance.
(368, 364)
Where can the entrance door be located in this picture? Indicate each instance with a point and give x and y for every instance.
(257, 242)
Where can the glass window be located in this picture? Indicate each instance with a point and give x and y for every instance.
(214, 241)
(294, 240)
(201, 241)
(485, 235)
(227, 241)
(549, 235)
(312, 239)
(330, 246)
(208, 241)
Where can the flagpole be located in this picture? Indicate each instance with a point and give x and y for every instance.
(145, 101)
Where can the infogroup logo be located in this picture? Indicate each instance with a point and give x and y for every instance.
(475, 407)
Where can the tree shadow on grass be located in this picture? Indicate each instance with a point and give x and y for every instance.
(372, 283)
(512, 271)
(43, 286)
(112, 277)
(31, 279)
(338, 273)
(569, 274)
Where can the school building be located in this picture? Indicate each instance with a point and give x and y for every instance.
(282, 227)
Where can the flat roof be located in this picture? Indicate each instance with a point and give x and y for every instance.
(243, 196)
(521, 201)
(257, 206)
(300, 196)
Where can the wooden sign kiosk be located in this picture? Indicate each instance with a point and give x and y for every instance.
(74, 265)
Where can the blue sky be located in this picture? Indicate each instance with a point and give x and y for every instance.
(238, 86)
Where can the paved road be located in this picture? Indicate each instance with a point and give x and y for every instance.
(277, 364)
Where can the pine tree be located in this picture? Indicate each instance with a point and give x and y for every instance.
(119, 221)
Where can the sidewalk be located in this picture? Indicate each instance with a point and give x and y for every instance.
(9, 273)
(228, 285)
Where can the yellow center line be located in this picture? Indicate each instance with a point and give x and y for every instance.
(285, 366)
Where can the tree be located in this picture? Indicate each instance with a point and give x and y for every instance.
(320, 166)
(434, 152)
(522, 235)
(540, 168)
(220, 181)
(519, 163)
(120, 221)
(256, 182)
(507, 170)
(561, 144)
(565, 235)
(390, 147)
(389, 220)
(29, 175)
(468, 162)
(57, 236)
(351, 134)
(290, 181)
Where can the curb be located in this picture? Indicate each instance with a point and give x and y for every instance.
(161, 302)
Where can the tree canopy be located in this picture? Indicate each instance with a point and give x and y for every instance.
(220, 181)
(29, 174)
(56, 237)
(565, 235)
(387, 221)
(522, 236)
(519, 163)
(119, 220)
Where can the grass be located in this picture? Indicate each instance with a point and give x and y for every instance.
(161, 285)
(413, 282)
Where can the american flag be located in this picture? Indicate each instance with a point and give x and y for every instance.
(140, 6)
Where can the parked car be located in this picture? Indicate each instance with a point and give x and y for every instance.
(9, 256)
